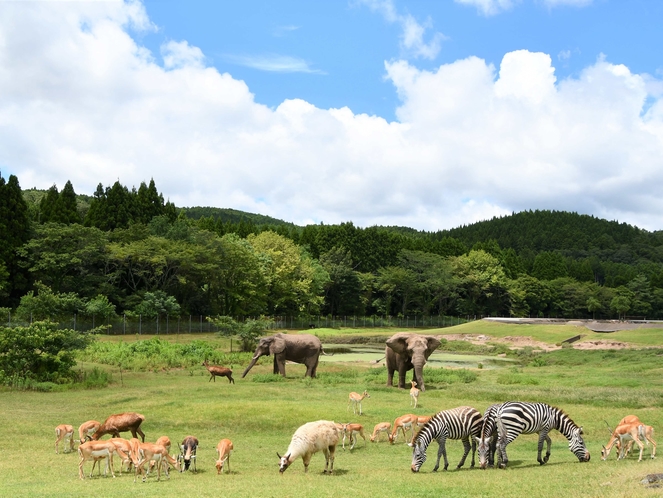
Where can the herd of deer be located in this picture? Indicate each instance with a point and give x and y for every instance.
(133, 452)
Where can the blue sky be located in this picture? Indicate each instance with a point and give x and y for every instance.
(332, 53)
(428, 114)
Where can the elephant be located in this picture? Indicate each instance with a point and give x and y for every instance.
(302, 348)
(405, 351)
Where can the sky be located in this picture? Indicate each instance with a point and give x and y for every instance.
(429, 113)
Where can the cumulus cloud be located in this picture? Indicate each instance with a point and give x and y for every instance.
(413, 35)
(81, 100)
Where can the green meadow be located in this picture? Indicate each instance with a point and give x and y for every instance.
(261, 412)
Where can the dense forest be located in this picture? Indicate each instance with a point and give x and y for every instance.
(128, 251)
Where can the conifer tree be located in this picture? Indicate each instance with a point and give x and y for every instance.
(48, 206)
(14, 232)
(67, 209)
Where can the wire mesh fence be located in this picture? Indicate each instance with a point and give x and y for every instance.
(199, 324)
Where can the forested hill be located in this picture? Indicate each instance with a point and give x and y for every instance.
(226, 215)
(553, 231)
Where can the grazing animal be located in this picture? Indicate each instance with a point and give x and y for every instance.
(125, 446)
(625, 434)
(414, 393)
(356, 398)
(404, 422)
(98, 450)
(308, 440)
(86, 429)
(121, 422)
(64, 432)
(165, 442)
(352, 430)
(188, 450)
(223, 450)
(149, 452)
(215, 370)
(515, 417)
(487, 440)
(461, 423)
(628, 419)
(379, 429)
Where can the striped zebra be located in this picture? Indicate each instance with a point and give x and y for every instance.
(461, 423)
(487, 441)
(514, 418)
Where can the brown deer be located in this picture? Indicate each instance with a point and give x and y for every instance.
(223, 450)
(86, 430)
(121, 422)
(215, 370)
(64, 432)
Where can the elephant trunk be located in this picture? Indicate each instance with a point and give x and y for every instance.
(253, 362)
(419, 372)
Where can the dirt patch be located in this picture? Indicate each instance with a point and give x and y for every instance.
(601, 344)
(519, 342)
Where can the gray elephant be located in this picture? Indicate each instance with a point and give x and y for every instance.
(406, 351)
(301, 348)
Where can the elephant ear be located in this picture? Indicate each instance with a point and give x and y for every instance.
(398, 343)
(433, 344)
(278, 344)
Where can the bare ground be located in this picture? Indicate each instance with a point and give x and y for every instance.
(519, 342)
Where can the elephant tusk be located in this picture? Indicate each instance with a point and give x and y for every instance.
(255, 357)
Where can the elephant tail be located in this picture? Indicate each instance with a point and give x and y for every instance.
(378, 361)
(322, 351)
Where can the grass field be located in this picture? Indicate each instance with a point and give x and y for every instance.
(261, 412)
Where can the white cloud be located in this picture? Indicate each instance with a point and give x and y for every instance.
(489, 7)
(80, 100)
(413, 34)
(273, 63)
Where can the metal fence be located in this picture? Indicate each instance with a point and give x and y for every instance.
(196, 324)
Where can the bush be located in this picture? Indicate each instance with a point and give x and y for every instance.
(40, 352)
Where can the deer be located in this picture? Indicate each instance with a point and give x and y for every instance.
(121, 422)
(379, 429)
(86, 429)
(165, 442)
(414, 394)
(95, 451)
(353, 429)
(625, 435)
(356, 398)
(64, 432)
(215, 370)
(188, 453)
(223, 450)
(150, 452)
(125, 447)
(403, 423)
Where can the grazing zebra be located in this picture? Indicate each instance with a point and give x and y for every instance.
(514, 418)
(461, 423)
(487, 441)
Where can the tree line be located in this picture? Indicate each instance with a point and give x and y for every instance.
(123, 251)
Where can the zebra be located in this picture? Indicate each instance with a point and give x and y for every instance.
(461, 423)
(487, 441)
(515, 417)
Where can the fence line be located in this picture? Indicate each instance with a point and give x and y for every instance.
(195, 324)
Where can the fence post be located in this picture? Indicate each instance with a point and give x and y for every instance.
(201, 323)
(140, 324)
(189, 324)
(124, 323)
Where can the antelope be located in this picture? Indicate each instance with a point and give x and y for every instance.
(125, 446)
(403, 422)
(414, 394)
(355, 399)
(379, 429)
(188, 453)
(149, 452)
(625, 435)
(95, 451)
(121, 422)
(86, 430)
(628, 419)
(64, 432)
(223, 450)
(220, 371)
(165, 442)
(353, 429)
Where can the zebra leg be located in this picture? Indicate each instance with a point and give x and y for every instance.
(474, 450)
(549, 443)
(466, 447)
(502, 459)
(442, 450)
(491, 451)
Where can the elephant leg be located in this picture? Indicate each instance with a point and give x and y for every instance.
(276, 366)
(279, 365)
(401, 378)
